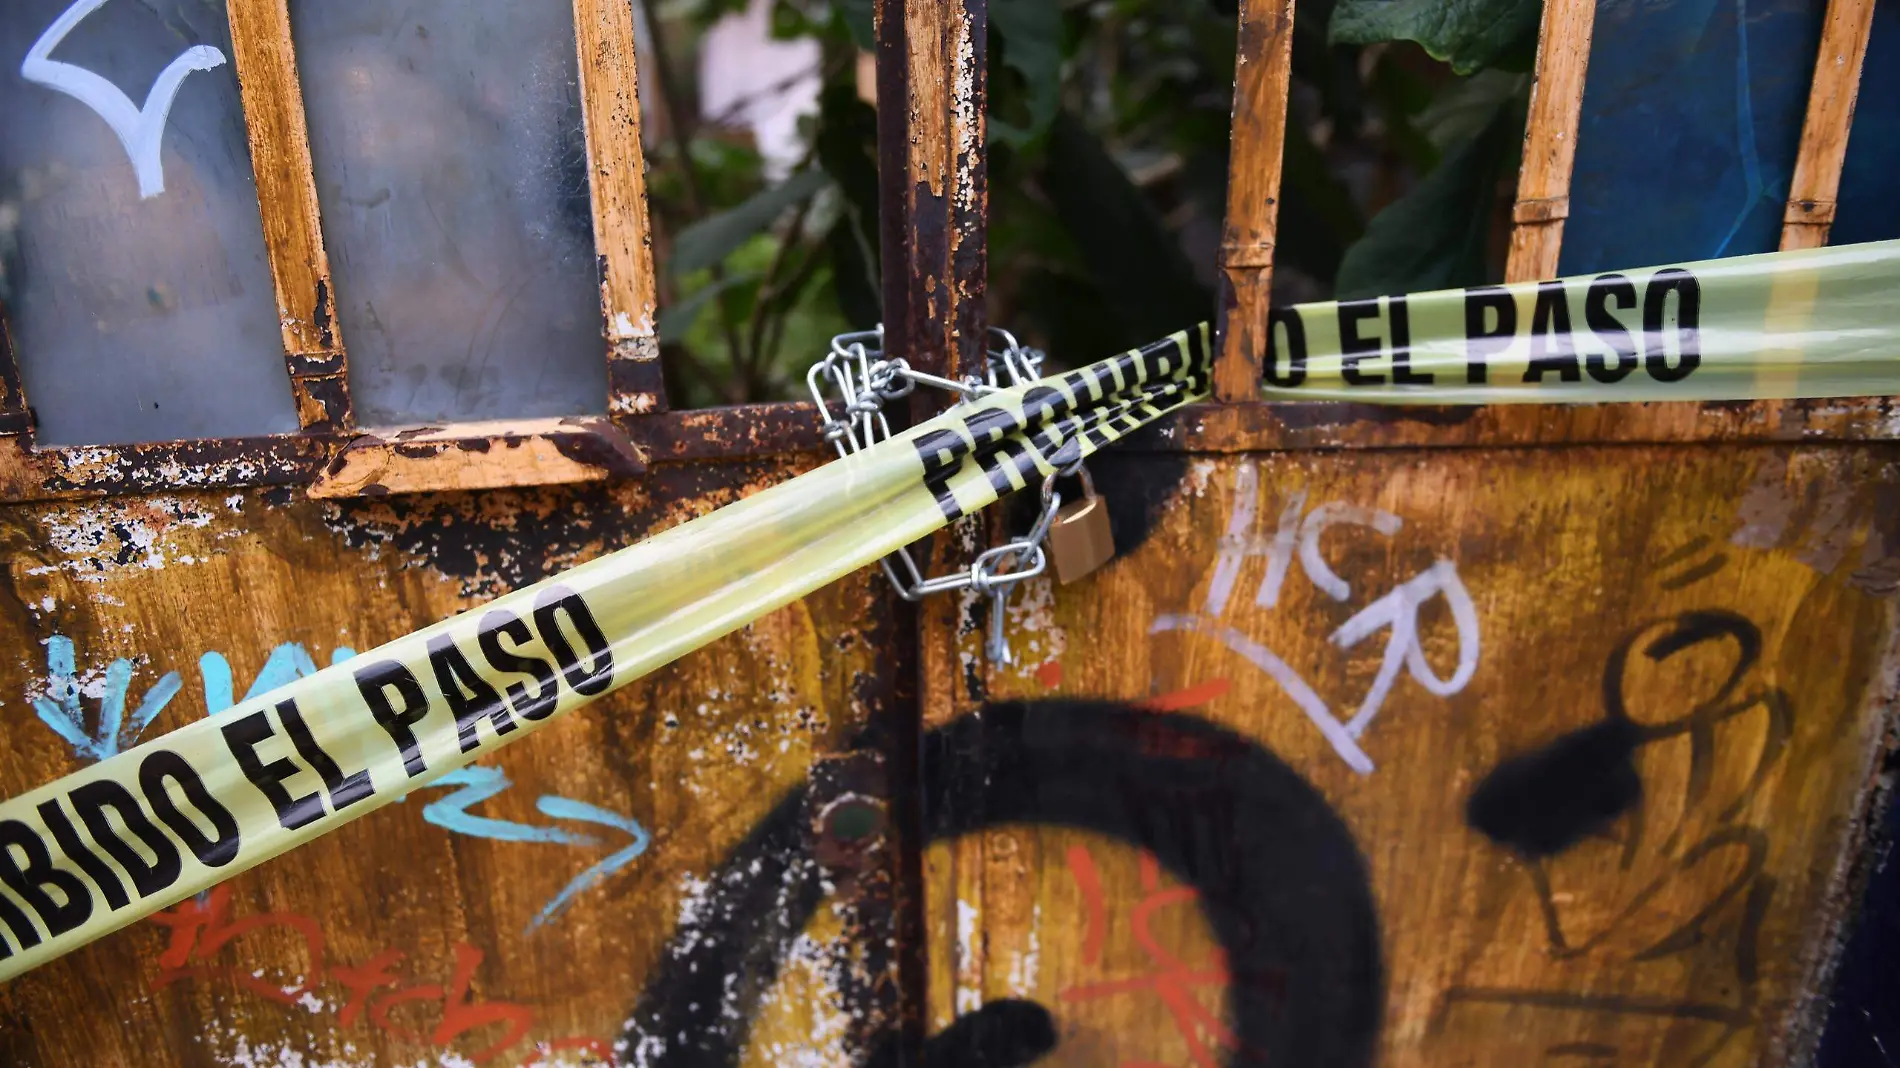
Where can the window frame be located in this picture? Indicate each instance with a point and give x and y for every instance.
(330, 453)
(1243, 422)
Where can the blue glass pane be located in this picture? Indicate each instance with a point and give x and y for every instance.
(1869, 205)
(132, 267)
(451, 167)
(1691, 121)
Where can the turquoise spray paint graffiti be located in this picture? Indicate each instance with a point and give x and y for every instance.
(60, 709)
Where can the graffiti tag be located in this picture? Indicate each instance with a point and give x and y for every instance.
(141, 130)
(1298, 534)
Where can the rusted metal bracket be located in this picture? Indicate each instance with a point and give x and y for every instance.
(480, 456)
(933, 182)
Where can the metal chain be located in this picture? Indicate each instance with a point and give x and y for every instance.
(857, 378)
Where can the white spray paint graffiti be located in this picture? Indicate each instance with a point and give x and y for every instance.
(1298, 533)
(140, 130)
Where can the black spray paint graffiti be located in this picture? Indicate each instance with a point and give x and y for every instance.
(1280, 879)
(1586, 785)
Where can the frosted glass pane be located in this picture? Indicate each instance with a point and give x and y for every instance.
(139, 293)
(451, 168)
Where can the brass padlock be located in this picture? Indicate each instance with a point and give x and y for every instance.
(1079, 539)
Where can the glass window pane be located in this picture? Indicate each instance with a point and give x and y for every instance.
(135, 280)
(1691, 120)
(1868, 210)
(451, 168)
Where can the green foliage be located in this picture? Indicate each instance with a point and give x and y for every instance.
(846, 146)
(1468, 34)
(1109, 124)
(1031, 32)
(1137, 264)
(860, 21)
(676, 320)
(712, 239)
(1435, 236)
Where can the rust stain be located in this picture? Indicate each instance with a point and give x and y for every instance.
(498, 540)
(321, 315)
(482, 456)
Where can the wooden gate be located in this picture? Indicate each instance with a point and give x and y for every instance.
(1426, 737)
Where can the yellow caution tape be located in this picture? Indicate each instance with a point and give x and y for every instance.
(1817, 323)
(142, 830)
(149, 827)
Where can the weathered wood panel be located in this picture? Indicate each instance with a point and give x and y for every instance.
(459, 926)
(1483, 757)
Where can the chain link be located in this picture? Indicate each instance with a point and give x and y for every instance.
(859, 380)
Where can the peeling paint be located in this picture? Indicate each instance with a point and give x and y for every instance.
(133, 533)
(969, 994)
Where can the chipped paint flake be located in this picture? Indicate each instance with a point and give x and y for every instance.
(96, 539)
(1026, 965)
(969, 997)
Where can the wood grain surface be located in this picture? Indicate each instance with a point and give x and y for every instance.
(1264, 64)
(1663, 890)
(1550, 140)
(617, 181)
(347, 953)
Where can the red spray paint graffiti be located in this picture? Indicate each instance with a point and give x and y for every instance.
(1170, 978)
(199, 930)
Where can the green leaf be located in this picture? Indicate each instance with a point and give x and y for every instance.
(676, 321)
(1435, 236)
(1032, 47)
(1468, 34)
(1318, 218)
(712, 239)
(1132, 256)
(846, 144)
(859, 19)
(1463, 109)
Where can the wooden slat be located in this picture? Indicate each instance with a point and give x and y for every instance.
(1253, 196)
(1817, 170)
(1550, 140)
(287, 199)
(489, 455)
(610, 102)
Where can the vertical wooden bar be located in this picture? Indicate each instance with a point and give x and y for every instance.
(1817, 170)
(1253, 196)
(932, 208)
(287, 199)
(15, 418)
(610, 102)
(1550, 140)
(933, 197)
